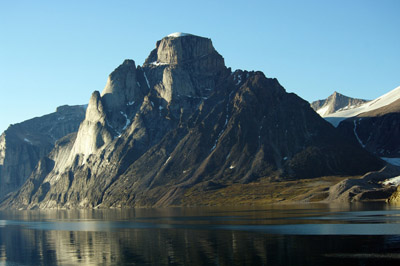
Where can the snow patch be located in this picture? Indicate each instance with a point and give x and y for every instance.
(61, 118)
(155, 63)
(178, 34)
(215, 145)
(169, 158)
(27, 140)
(355, 133)
(138, 83)
(347, 108)
(394, 181)
(232, 167)
(238, 79)
(323, 110)
(128, 121)
(131, 103)
(147, 81)
(226, 122)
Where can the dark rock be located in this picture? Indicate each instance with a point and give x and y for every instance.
(378, 131)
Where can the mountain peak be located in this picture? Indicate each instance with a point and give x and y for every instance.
(182, 48)
(184, 65)
(335, 103)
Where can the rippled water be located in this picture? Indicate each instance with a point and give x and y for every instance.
(274, 235)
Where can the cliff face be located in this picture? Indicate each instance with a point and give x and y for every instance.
(23, 144)
(184, 120)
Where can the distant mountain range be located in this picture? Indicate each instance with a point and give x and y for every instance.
(182, 121)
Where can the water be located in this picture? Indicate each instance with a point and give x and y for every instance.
(273, 235)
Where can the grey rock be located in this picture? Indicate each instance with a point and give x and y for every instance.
(22, 145)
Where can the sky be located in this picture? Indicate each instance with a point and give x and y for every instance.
(54, 53)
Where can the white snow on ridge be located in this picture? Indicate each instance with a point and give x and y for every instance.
(178, 34)
(379, 102)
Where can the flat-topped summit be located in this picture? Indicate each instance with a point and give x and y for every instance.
(173, 49)
(183, 64)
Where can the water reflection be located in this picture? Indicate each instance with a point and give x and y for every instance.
(202, 236)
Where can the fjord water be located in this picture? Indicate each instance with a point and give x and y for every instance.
(272, 235)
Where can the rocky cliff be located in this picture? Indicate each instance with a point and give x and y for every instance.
(185, 120)
(23, 144)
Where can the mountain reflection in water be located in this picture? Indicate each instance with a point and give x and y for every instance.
(275, 235)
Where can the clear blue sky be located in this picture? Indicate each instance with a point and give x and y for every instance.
(58, 52)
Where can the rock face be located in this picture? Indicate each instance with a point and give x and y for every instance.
(183, 120)
(23, 144)
(334, 103)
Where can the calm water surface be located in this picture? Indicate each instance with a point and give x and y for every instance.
(273, 235)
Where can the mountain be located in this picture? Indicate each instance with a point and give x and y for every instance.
(335, 103)
(23, 144)
(376, 126)
(379, 102)
(182, 121)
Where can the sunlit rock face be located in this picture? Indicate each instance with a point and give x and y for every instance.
(184, 65)
(181, 121)
(93, 132)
